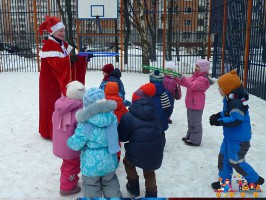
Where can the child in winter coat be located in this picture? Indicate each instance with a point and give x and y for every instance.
(196, 86)
(113, 74)
(111, 91)
(64, 124)
(162, 101)
(171, 85)
(97, 139)
(140, 129)
(236, 130)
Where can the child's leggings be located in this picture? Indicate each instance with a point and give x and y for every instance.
(69, 174)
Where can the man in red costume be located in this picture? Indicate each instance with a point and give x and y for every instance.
(55, 71)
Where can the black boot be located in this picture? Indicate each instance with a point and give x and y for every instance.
(133, 188)
(216, 185)
(151, 194)
(260, 181)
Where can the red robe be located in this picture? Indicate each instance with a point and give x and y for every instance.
(55, 74)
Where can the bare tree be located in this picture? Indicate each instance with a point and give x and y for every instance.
(138, 20)
(67, 21)
(169, 31)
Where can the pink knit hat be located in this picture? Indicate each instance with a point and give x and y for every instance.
(204, 65)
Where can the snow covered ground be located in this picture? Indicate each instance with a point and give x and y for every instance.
(29, 170)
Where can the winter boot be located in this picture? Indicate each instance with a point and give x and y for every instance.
(216, 185)
(151, 194)
(260, 181)
(75, 190)
(133, 188)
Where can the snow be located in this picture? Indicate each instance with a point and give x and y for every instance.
(29, 170)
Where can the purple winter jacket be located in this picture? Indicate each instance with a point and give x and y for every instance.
(196, 86)
(64, 125)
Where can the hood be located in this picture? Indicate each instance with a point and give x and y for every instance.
(116, 73)
(65, 105)
(84, 114)
(159, 89)
(102, 119)
(241, 92)
(143, 109)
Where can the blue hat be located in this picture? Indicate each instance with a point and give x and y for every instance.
(92, 95)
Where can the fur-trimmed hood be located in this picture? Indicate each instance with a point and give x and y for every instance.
(103, 106)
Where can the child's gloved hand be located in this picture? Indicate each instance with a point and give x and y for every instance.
(127, 103)
(214, 120)
(179, 75)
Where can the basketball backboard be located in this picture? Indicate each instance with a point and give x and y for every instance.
(104, 9)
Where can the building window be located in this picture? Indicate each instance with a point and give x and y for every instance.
(200, 22)
(187, 10)
(187, 22)
(201, 9)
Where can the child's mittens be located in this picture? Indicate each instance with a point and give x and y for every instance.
(127, 103)
(178, 76)
(214, 120)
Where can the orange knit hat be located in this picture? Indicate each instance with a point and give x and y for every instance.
(229, 82)
(111, 88)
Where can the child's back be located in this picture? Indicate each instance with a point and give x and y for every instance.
(64, 124)
(140, 129)
(97, 139)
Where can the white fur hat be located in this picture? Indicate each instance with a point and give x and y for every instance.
(170, 66)
(75, 90)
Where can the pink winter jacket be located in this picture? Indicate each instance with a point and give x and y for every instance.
(64, 125)
(170, 84)
(196, 87)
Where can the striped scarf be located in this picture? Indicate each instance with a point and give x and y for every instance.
(165, 100)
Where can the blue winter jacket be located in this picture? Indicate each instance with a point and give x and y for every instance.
(115, 77)
(91, 138)
(235, 117)
(140, 129)
(163, 113)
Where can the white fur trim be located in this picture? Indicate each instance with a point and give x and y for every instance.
(56, 27)
(47, 54)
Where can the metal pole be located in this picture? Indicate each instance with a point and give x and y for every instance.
(224, 36)
(249, 17)
(78, 34)
(36, 33)
(164, 30)
(209, 32)
(121, 34)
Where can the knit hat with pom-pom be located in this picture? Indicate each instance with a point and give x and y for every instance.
(170, 66)
(75, 90)
(156, 77)
(229, 82)
(147, 90)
